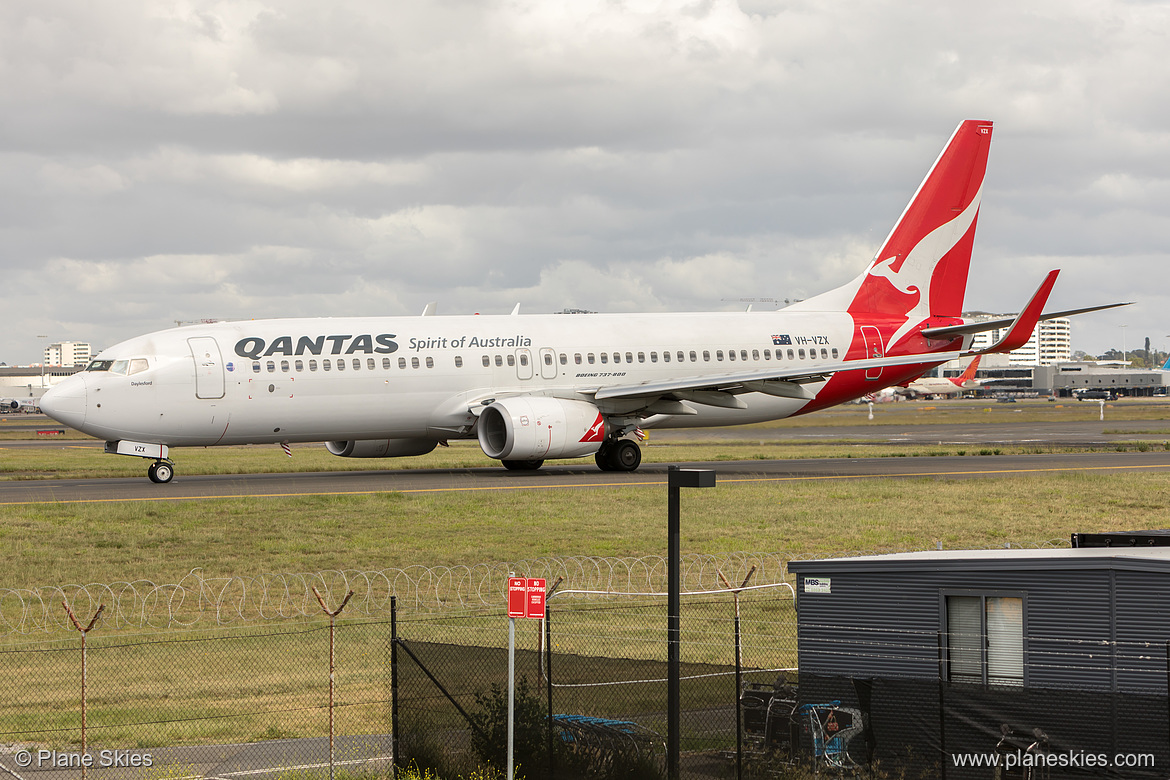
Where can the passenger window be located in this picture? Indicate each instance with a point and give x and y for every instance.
(790, 355)
(312, 365)
(800, 353)
(743, 354)
(487, 361)
(299, 365)
(706, 356)
(629, 358)
(834, 353)
(653, 357)
(577, 358)
(731, 354)
(718, 354)
(617, 357)
(824, 354)
(604, 358)
(499, 360)
(430, 362)
(694, 356)
(681, 356)
(458, 361)
(547, 359)
(340, 364)
(767, 354)
(641, 357)
(755, 354)
(271, 366)
(325, 364)
(523, 358)
(357, 364)
(386, 364)
(511, 360)
(414, 362)
(665, 357)
(590, 358)
(402, 362)
(255, 368)
(370, 364)
(565, 359)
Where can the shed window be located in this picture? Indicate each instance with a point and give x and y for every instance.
(985, 639)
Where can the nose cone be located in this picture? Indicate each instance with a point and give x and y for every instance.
(65, 403)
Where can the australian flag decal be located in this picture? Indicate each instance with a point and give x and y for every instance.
(781, 340)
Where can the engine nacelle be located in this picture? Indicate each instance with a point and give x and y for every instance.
(535, 428)
(380, 448)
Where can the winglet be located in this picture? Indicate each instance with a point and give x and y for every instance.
(1025, 322)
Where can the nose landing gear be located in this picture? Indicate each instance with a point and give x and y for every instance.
(161, 472)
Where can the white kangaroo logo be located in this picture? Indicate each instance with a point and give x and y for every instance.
(914, 276)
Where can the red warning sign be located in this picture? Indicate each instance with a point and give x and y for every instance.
(517, 597)
(536, 598)
(525, 597)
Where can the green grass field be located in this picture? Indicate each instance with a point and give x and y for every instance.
(216, 684)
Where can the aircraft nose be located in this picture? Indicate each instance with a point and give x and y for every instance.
(65, 403)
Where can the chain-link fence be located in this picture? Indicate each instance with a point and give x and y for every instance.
(209, 704)
(599, 666)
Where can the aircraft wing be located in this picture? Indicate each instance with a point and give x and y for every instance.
(785, 382)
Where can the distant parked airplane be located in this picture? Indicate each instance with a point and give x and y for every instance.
(555, 386)
(929, 385)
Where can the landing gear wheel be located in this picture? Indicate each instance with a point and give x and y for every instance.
(161, 472)
(620, 455)
(604, 457)
(626, 455)
(522, 465)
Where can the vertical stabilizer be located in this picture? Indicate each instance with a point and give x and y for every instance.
(921, 269)
(969, 374)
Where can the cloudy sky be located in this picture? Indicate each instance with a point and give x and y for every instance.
(178, 159)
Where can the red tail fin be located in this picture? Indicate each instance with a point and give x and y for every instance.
(921, 269)
(969, 374)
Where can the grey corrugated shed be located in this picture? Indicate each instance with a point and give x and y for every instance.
(1094, 618)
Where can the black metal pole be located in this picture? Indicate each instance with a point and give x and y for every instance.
(738, 700)
(394, 762)
(552, 761)
(673, 599)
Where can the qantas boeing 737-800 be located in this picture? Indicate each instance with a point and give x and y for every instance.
(534, 387)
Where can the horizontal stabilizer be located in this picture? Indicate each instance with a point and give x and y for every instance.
(971, 328)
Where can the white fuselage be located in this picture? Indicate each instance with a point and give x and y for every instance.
(423, 377)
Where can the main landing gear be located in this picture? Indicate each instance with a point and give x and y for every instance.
(619, 455)
(161, 472)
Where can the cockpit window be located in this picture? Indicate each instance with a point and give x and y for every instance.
(124, 367)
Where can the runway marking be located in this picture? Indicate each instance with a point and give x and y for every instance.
(486, 488)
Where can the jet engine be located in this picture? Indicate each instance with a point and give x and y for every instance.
(380, 448)
(531, 428)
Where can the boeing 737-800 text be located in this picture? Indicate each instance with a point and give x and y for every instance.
(535, 387)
